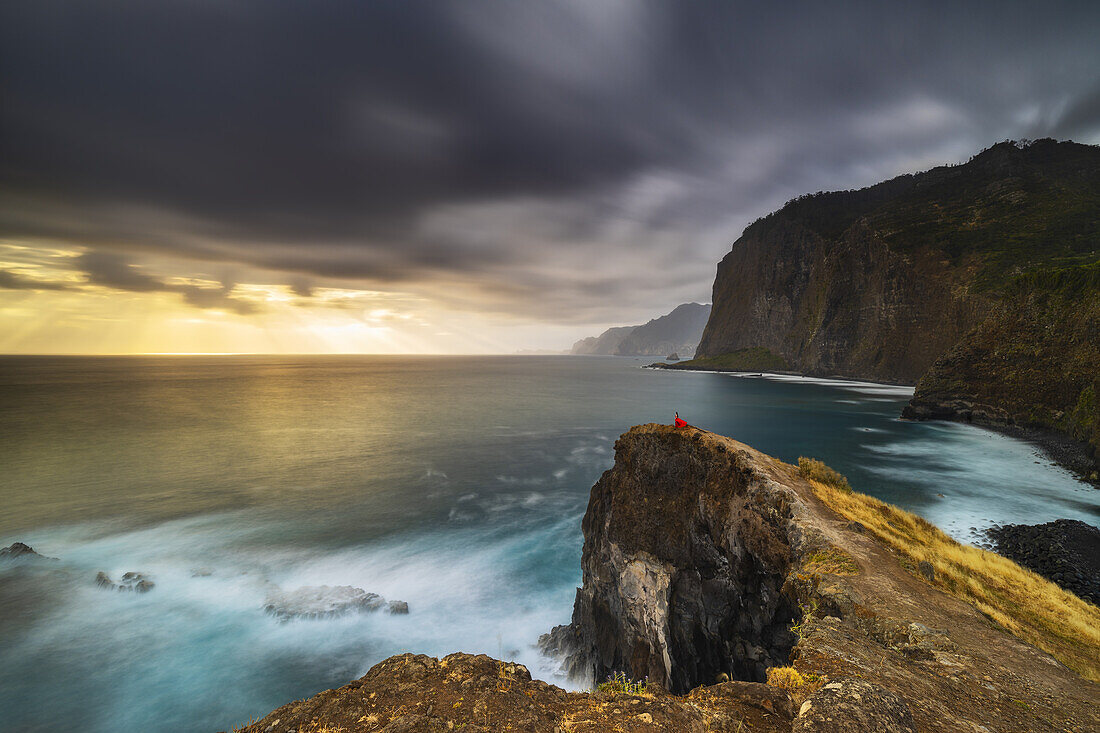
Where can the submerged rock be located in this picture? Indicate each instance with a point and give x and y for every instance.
(323, 601)
(131, 582)
(21, 552)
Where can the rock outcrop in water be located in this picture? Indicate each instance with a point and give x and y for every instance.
(19, 552)
(131, 582)
(324, 601)
(705, 559)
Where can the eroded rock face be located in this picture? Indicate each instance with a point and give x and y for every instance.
(415, 693)
(849, 305)
(685, 557)
(323, 601)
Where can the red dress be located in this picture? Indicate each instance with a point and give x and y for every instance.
(681, 423)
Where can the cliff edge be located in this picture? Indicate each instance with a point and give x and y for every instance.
(741, 588)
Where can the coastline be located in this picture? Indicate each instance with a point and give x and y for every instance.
(837, 626)
(1068, 453)
(686, 367)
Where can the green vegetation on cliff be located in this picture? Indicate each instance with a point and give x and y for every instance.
(756, 359)
(1012, 208)
(1034, 362)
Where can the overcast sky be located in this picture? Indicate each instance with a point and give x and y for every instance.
(465, 176)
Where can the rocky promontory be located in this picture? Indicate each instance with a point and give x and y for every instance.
(750, 603)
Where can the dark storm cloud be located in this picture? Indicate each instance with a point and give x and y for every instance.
(111, 270)
(1081, 117)
(552, 156)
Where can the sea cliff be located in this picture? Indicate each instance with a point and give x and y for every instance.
(976, 282)
(745, 592)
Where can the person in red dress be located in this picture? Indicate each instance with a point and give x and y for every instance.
(680, 423)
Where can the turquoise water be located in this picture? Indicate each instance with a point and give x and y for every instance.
(456, 484)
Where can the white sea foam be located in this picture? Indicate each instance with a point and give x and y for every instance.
(467, 591)
(850, 385)
(984, 478)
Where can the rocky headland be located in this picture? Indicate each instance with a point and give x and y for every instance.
(750, 598)
(978, 283)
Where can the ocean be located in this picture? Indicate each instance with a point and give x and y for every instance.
(456, 484)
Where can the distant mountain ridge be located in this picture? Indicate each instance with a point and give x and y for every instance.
(678, 331)
(607, 343)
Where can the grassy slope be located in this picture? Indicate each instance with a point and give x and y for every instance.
(1023, 603)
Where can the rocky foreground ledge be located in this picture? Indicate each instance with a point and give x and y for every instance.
(707, 561)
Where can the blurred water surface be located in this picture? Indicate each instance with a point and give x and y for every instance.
(454, 483)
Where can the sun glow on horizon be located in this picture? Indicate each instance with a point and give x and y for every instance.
(48, 308)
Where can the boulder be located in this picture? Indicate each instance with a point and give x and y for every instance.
(1065, 551)
(131, 582)
(19, 552)
(323, 601)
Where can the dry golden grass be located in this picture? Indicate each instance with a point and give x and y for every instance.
(830, 560)
(799, 685)
(815, 470)
(1023, 603)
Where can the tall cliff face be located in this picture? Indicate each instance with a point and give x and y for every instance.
(879, 283)
(851, 306)
(687, 547)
